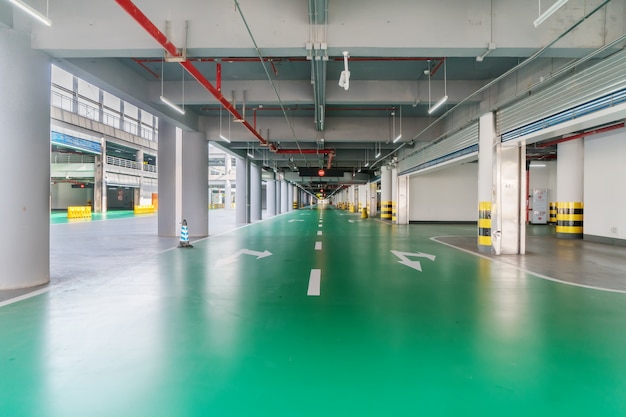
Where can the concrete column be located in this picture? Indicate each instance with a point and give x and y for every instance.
(373, 209)
(284, 196)
(228, 168)
(487, 140)
(255, 193)
(290, 200)
(99, 186)
(25, 170)
(270, 187)
(278, 196)
(394, 195)
(385, 193)
(402, 207)
(242, 192)
(183, 188)
(195, 187)
(569, 189)
(170, 179)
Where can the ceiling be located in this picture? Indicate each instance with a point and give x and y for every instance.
(404, 55)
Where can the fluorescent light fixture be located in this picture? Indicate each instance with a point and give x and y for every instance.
(172, 105)
(537, 165)
(224, 138)
(377, 155)
(397, 138)
(34, 13)
(556, 6)
(438, 104)
(250, 155)
(367, 164)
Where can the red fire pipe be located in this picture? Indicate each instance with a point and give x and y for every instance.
(582, 135)
(153, 31)
(330, 159)
(139, 61)
(305, 151)
(218, 76)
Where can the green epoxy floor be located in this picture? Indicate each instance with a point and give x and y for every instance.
(184, 333)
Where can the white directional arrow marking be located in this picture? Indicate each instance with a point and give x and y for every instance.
(404, 256)
(355, 221)
(232, 258)
(295, 220)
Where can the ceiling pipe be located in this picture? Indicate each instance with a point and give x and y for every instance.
(153, 31)
(306, 151)
(582, 135)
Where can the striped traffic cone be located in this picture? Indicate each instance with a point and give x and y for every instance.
(184, 236)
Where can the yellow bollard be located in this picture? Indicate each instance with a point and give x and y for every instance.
(364, 213)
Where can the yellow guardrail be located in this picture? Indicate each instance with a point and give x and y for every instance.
(146, 209)
(79, 212)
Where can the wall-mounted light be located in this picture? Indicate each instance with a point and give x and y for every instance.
(543, 16)
(32, 12)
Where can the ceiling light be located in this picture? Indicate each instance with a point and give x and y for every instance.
(397, 138)
(445, 90)
(34, 13)
(438, 104)
(172, 105)
(377, 154)
(224, 138)
(542, 17)
(166, 101)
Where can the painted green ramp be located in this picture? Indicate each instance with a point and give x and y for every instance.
(402, 326)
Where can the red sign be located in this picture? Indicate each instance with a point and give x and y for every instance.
(321, 173)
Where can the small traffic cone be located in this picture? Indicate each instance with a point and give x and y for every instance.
(184, 236)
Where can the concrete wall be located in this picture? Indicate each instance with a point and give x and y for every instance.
(449, 194)
(605, 185)
(63, 195)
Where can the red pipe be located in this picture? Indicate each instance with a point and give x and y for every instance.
(138, 61)
(305, 151)
(330, 159)
(296, 59)
(434, 71)
(582, 135)
(141, 18)
(144, 22)
(218, 76)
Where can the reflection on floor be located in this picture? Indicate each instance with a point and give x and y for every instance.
(397, 325)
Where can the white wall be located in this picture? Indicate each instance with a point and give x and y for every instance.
(605, 185)
(449, 194)
(543, 177)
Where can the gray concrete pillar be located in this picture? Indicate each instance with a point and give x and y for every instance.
(183, 188)
(195, 187)
(228, 167)
(170, 178)
(270, 186)
(284, 196)
(242, 192)
(25, 140)
(255, 193)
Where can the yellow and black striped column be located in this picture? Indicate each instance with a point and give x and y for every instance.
(484, 226)
(393, 212)
(569, 220)
(385, 210)
(552, 218)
